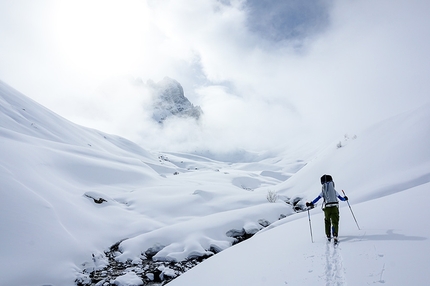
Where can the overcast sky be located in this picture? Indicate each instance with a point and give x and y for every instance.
(265, 72)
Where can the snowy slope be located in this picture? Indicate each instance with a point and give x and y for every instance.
(389, 157)
(391, 249)
(386, 174)
(53, 172)
(69, 193)
(48, 166)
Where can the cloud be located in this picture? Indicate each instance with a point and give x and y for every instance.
(263, 72)
(288, 20)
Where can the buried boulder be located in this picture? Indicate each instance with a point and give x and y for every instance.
(96, 197)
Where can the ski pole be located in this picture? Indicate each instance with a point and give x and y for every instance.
(351, 211)
(310, 226)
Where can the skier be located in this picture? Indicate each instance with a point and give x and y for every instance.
(330, 206)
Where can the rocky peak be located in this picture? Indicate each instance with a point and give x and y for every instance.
(169, 100)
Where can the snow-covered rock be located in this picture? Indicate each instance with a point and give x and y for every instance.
(128, 279)
(169, 100)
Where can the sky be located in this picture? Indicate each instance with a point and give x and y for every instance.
(266, 74)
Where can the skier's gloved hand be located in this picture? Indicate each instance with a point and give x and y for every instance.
(310, 205)
(346, 198)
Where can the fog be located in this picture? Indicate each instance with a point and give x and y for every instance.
(266, 76)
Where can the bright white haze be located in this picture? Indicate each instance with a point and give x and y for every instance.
(292, 71)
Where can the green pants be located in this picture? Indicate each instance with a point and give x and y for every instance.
(331, 219)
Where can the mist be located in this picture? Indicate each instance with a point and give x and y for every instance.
(302, 74)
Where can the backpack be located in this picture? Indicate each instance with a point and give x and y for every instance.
(328, 191)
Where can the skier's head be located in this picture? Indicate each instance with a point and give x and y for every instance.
(325, 179)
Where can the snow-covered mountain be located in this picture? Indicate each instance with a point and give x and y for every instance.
(71, 192)
(169, 100)
(77, 202)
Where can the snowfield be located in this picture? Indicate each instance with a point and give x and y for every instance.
(70, 193)
(391, 248)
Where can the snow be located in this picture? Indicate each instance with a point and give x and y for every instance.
(128, 279)
(69, 193)
(391, 248)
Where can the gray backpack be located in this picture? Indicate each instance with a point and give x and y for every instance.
(328, 191)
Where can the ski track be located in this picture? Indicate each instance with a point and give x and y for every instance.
(334, 270)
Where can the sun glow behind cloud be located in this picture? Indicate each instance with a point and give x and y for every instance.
(101, 38)
(263, 72)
